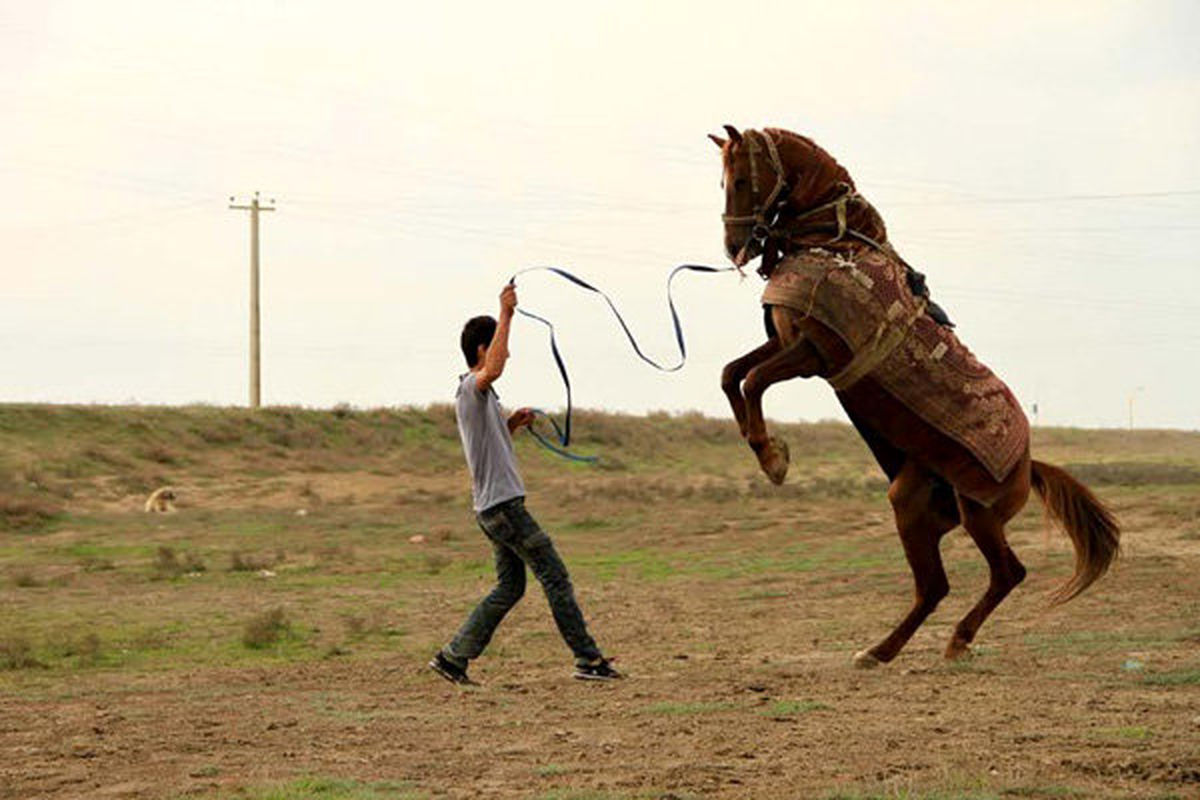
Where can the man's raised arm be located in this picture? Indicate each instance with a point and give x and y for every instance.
(497, 352)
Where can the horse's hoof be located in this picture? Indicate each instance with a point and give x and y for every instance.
(863, 659)
(774, 459)
(958, 650)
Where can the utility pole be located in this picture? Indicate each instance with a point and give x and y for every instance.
(1132, 395)
(255, 368)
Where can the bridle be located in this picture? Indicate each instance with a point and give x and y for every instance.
(764, 214)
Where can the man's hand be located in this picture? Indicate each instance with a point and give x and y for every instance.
(520, 418)
(508, 300)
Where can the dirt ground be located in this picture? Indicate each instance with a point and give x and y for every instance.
(733, 607)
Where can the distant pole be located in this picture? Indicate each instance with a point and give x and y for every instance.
(255, 351)
(1132, 395)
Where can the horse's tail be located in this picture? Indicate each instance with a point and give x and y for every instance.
(1092, 527)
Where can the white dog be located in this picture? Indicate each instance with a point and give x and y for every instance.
(161, 501)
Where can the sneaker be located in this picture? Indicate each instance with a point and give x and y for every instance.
(601, 670)
(450, 671)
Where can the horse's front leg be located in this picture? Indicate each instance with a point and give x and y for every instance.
(735, 372)
(796, 360)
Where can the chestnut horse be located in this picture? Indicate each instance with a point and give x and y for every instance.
(785, 196)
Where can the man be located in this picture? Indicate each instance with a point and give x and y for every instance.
(499, 501)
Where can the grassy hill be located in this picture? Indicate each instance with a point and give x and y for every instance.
(56, 458)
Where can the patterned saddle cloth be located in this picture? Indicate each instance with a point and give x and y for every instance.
(863, 295)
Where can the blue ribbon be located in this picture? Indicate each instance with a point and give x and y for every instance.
(563, 433)
(558, 446)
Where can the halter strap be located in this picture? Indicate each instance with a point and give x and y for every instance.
(838, 206)
(758, 214)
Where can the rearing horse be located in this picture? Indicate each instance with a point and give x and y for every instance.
(841, 304)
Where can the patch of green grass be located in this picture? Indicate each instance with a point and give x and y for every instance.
(974, 662)
(1095, 642)
(763, 594)
(1135, 473)
(1136, 733)
(640, 563)
(200, 621)
(1182, 677)
(1052, 792)
(79, 649)
(832, 557)
(1040, 792)
(328, 789)
(62, 647)
(675, 708)
(328, 706)
(964, 786)
(912, 794)
(58, 643)
(217, 648)
(741, 567)
(548, 770)
(787, 708)
(590, 523)
(92, 551)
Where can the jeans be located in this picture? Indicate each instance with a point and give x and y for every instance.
(518, 541)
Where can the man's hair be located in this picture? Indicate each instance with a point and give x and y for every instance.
(478, 331)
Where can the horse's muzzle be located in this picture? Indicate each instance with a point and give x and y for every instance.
(749, 251)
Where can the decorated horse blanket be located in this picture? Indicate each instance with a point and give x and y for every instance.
(862, 294)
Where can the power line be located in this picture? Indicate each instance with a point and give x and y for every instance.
(1061, 198)
(132, 216)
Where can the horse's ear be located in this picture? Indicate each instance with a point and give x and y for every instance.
(718, 141)
(734, 136)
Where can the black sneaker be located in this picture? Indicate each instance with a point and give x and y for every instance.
(450, 671)
(601, 670)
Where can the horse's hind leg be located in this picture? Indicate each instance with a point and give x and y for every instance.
(986, 526)
(735, 372)
(923, 517)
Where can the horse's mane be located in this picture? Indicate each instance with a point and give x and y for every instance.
(814, 153)
(784, 133)
(812, 150)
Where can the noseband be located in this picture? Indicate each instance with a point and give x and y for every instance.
(765, 213)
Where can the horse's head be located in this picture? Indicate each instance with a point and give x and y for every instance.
(782, 190)
(755, 188)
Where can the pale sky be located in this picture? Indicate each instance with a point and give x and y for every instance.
(1037, 160)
